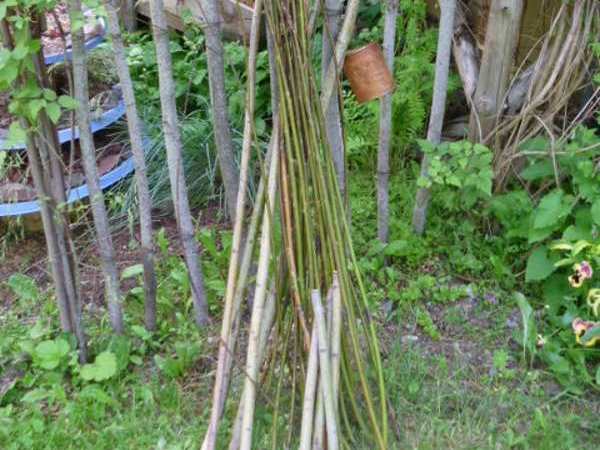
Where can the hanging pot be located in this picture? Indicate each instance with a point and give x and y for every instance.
(368, 74)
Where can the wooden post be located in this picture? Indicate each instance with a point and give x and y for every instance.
(127, 15)
(501, 41)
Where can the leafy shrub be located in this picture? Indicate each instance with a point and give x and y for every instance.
(460, 165)
(558, 218)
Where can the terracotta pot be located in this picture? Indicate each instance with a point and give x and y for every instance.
(369, 75)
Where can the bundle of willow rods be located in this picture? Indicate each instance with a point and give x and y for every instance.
(316, 382)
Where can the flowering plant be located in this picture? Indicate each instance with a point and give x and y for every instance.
(569, 342)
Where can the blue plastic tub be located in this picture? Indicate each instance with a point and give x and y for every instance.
(64, 135)
(89, 45)
(109, 179)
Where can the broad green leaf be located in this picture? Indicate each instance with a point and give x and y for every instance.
(103, 368)
(16, 135)
(539, 266)
(49, 95)
(34, 107)
(23, 287)
(538, 170)
(48, 354)
(397, 248)
(53, 111)
(550, 210)
(35, 396)
(132, 271)
(67, 102)
(595, 210)
(598, 375)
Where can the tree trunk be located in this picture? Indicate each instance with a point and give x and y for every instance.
(63, 275)
(175, 161)
(501, 40)
(333, 121)
(216, 78)
(385, 128)
(88, 153)
(134, 126)
(438, 107)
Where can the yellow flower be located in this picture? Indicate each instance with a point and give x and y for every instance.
(575, 280)
(583, 271)
(593, 301)
(586, 333)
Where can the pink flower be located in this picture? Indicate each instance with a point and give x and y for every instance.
(583, 271)
(586, 270)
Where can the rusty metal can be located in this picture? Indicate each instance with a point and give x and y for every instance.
(367, 72)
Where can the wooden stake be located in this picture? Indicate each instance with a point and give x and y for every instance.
(438, 107)
(385, 128)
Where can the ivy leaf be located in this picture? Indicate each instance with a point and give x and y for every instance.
(103, 368)
(551, 209)
(539, 266)
(53, 111)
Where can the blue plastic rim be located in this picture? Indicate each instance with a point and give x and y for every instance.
(65, 135)
(79, 193)
(90, 44)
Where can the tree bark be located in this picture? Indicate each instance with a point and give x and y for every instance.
(501, 39)
(63, 272)
(88, 153)
(333, 121)
(385, 128)
(438, 107)
(134, 126)
(175, 161)
(216, 77)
